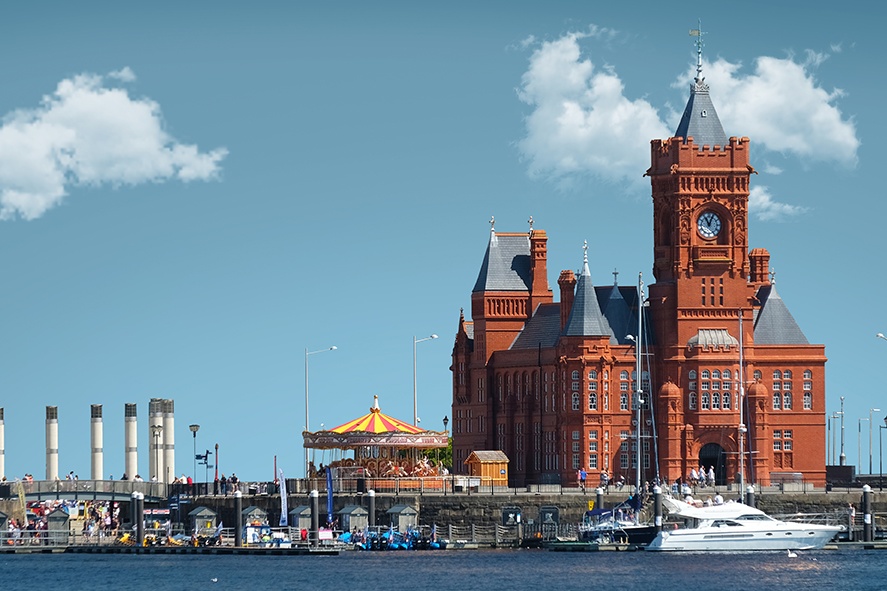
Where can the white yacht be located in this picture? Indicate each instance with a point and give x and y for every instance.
(735, 526)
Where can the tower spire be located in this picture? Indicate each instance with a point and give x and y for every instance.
(698, 34)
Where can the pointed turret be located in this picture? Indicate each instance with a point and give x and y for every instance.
(774, 324)
(586, 319)
(700, 120)
(618, 313)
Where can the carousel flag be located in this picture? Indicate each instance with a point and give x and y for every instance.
(329, 495)
(283, 510)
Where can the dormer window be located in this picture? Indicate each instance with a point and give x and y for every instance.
(704, 113)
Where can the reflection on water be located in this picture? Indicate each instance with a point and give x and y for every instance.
(468, 570)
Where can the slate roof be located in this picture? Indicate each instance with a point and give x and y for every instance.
(774, 324)
(543, 329)
(586, 319)
(506, 265)
(700, 120)
(618, 314)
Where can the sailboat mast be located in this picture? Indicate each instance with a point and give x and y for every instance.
(639, 389)
(741, 410)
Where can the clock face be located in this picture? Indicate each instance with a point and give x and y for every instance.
(708, 224)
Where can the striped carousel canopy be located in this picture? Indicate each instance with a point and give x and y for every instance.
(376, 422)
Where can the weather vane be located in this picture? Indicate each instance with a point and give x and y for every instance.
(492, 222)
(698, 33)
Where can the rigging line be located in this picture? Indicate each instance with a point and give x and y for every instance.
(645, 339)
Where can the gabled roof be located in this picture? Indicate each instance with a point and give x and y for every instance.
(506, 265)
(586, 319)
(700, 120)
(774, 324)
(488, 456)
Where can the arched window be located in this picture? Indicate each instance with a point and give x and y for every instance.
(692, 374)
(575, 374)
(726, 374)
(715, 401)
(575, 401)
(787, 374)
(623, 401)
(592, 375)
(623, 375)
(705, 374)
(787, 400)
(776, 400)
(808, 375)
(715, 374)
(725, 402)
(592, 401)
(808, 401)
(777, 375)
(756, 375)
(705, 401)
(692, 400)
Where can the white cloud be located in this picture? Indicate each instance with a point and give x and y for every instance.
(581, 122)
(89, 132)
(762, 205)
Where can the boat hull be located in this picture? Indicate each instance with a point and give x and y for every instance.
(801, 536)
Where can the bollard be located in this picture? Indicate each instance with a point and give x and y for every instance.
(314, 534)
(134, 511)
(750, 496)
(598, 498)
(140, 519)
(657, 508)
(371, 494)
(867, 525)
(238, 509)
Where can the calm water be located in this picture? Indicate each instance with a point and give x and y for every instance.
(471, 570)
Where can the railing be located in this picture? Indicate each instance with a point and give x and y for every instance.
(73, 489)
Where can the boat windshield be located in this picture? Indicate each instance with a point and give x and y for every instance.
(755, 517)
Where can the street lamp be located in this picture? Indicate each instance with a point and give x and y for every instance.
(881, 456)
(446, 422)
(307, 353)
(415, 399)
(156, 430)
(194, 429)
(871, 410)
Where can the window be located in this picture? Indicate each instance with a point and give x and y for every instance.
(808, 401)
(592, 401)
(777, 385)
(706, 385)
(623, 461)
(692, 402)
(623, 435)
(623, 386)
(576, 436)
(715, 375)
(726, 374)
(787, 386)
(692, 374)
(808, 385)
(757, 375)
(728, 386)
(575, 401)
(787, 445)
(777, 434)
(592, 386)
(592, 445)
(592, 375)
(777, 375)
(575, 461)
(575, 446)
(693, 385)
(575, 375)
(715, 401)
(725, 403)
(705, 375)
(787, 374)
(592, 436)
(777, 445)
(575, 387)
(787, 400)
(592, 461)
(623, 401)
(623, 375)
(787, 434)
(716, 385)
(776, 400)
(606, 375)
(705, 401)
(808, 375)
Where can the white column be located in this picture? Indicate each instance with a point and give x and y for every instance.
(169, 442)
(96, 442)
(52, 442)
(131, 441)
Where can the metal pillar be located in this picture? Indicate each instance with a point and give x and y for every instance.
(238, 508)
(657, 508)
(96, 443)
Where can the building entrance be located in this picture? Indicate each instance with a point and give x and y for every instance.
(713, 454)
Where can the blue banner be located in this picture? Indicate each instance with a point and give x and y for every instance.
(329, 495)
(284, 518)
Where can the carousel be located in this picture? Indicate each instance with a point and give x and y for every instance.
(377, 445)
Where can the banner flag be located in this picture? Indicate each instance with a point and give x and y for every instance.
(284, 518)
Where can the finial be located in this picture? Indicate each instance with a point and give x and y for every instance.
(530, 221)
(493, 223)
(772, 276)
(585, 252)
(698, 34)
(615, 277)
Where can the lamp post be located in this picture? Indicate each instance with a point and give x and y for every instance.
(842, 459)
(156, 430)
(446, 422)
(415, 399)
(859, 442)
(194, 429)
(871, 410)
(881, 456)
(307, 424)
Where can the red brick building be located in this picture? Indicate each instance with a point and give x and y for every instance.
(552, 384)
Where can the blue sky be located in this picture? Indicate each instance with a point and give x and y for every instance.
(192, 194)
